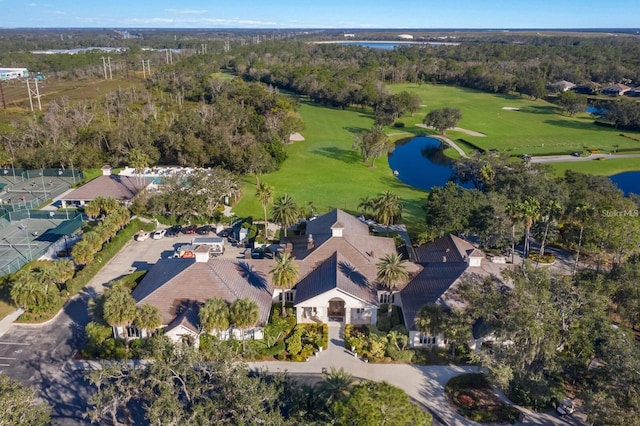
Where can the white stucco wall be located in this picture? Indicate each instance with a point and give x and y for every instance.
(321, 303)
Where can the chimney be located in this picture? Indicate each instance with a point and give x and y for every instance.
(106, 170)
(202, 254)
(310, 244)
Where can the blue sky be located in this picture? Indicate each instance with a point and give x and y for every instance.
(320, 14)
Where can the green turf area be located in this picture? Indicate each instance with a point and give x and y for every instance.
(538, 127)
(324, 169)
(606, 167)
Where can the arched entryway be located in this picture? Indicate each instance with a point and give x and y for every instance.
(336, 311)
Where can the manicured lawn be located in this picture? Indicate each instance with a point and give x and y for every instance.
(606, 167)
(324, 169)
(538, 127)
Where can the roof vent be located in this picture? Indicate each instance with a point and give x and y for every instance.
(310, 243)
(444, 259)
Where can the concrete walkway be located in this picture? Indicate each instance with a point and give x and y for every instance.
(425, 384)
(7, 322)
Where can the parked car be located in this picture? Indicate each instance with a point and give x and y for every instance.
(566, 407)
(204, 230)
(576, 154)
(158, 234)
(189, 229)
(141, 236)
(173, 231)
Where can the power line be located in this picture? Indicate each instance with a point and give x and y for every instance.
(35, 93)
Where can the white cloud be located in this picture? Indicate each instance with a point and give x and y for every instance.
(58, 12)
(195, 22)
(186, 11)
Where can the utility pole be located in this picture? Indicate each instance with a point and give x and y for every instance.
(35, 93)
(146, 68)
(169, 56)
(104, 67)
(227, 47)
(109, 62)
(4, 103)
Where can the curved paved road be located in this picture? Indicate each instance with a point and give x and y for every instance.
(571, 158)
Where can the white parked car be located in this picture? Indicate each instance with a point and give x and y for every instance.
(141, 236)
(158, 234)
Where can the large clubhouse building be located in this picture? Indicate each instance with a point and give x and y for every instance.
(337, 258)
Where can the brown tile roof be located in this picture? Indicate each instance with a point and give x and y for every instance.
(122, 188)
(337, 219)
(453, 248)
(336, 272)
(180, 285)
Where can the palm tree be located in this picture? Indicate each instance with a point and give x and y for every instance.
(214, 315)
(430, 319)
(27, 292)
(365, 205)
(119, 307)
(392, 270)
(148, 318)
(336, 386)
(93, 210)
(530, 209)
(138, 160)
(284, 275)
(514, 210)
(83, 252)
(243, 314)
(387, 208)
(264, 194)
(457, 329)
(582, 211)
(551, 211)
(285, 212)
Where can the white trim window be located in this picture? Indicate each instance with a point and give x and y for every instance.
(387, 298)
(132, 332)
(309, 313)
(426, 340)
(288, 296)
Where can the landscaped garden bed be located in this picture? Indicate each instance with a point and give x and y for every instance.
(472, 396)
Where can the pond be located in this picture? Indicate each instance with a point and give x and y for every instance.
(421, 163)
(627, 182)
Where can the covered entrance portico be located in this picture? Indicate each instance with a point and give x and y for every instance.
(336, 311)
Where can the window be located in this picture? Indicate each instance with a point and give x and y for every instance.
(423, 339)
(288, 296)
(359, 311)
(132, 332)
(387, 298)
(309, 312)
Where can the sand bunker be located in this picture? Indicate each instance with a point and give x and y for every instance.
(511, 108)
(296, 137)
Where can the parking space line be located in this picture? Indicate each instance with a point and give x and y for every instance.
(15, 343)
(4, 357)
(5, 365)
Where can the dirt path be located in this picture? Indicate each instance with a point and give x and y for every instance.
(571, 158)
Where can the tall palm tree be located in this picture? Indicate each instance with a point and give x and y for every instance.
(391, 270)
(243, 314)
(284, 275)
(336, 385)
(285, 211)
(387, 208)
(582, 211)
(552, 211)
(264, 194)
(119, 307)
(530, 209)
(148, 318)
(214, 315)
(514, 210)
(457, 329)
(430, 319)
(138, 160)
(27, 292)
(365, 205)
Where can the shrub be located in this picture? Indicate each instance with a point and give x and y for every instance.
(294, 342)
(98, 333)
(384, 322)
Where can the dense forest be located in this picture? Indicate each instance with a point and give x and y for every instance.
(186, 113)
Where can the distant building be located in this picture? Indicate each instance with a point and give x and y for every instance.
(349, 36)
(634, 92)
(405, 36)
(561, 86)
(13, 73)
(589, 88)
(616, 90)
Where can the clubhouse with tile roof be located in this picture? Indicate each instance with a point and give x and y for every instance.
(337, 259)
